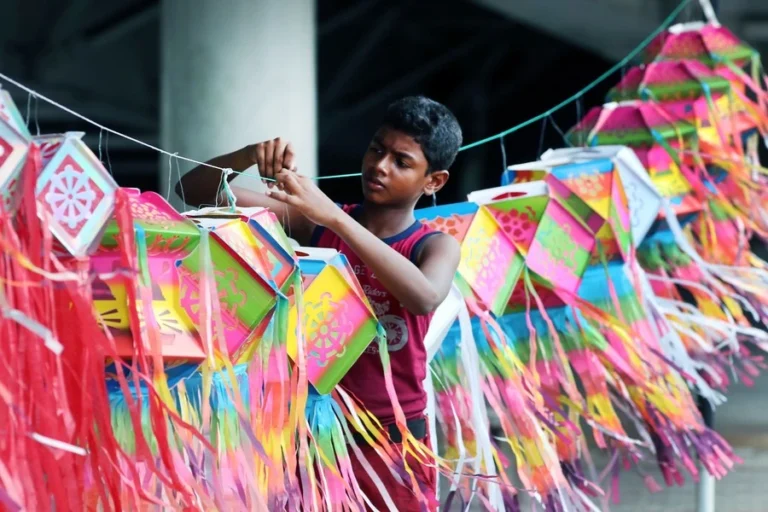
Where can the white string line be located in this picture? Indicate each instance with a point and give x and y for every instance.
(101, 126)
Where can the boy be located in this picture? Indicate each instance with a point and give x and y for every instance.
(405, 268)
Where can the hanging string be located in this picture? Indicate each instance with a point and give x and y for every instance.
(29, 109)
(541, 137)
(37, 107)
(170, 178)
(503, 155)
(710, 11)
(178, 176)
(626, 60)
(109, 160)
(560, 131)
(101, 132)
(578, 111)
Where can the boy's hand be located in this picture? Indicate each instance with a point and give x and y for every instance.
(272, 156)
(302, 193)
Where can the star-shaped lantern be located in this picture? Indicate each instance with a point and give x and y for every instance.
(644, 201)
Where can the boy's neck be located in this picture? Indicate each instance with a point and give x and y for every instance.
(385, 221)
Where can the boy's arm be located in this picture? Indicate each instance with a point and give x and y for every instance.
(421, 289)
(201, 184)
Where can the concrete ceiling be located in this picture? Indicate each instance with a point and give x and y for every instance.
(612, 28)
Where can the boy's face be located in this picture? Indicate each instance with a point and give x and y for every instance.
(395, 170)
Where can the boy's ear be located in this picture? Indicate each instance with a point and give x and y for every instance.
(435, 181)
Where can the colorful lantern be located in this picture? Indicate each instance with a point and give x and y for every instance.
(163, 237)
(490, 264)
(590, 189)
(338, 323)
(717, 47)
(727, 123)
(708, 43)
(643, 198)
(554, 245)
(249, 269)
(516, 221)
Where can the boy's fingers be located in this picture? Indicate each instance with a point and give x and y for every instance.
(288, 180)
(289, 158)
(260, 160)
(282, 197)
(269, 156)
(277, 161)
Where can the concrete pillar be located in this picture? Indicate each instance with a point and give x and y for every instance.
(235, 72)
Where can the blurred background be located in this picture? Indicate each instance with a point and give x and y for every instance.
(204, 77)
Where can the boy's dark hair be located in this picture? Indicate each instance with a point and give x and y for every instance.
(431, 124)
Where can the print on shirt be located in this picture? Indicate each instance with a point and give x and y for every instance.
(395, 326)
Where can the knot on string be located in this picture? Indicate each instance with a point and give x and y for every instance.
(231, 198)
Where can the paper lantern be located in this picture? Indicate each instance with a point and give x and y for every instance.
(643, 198)
(717, 47)
(338, 323)
(258, 238)
(690, 91)
(77, 194)
(490, 263)
(239, 252)
(163, 237)
(14, 146)
(554, 246)
(592, 191)
(708, 43)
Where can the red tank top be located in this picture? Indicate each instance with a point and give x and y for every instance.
(405, 331)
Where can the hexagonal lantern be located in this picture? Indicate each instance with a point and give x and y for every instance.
(643, 199)
(507, 230)
(708, 43)
(490, 264)
(725, 118)
(591, 189)
(554, 245)
(718, 48)
(76, 193)
(14, 146)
